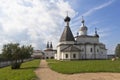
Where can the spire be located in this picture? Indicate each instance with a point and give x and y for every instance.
(47, 45)
(51, 47)
(82, 21)
(67, 13)
(77, 33)
(96, 34)
(95, 30)
(67, 33)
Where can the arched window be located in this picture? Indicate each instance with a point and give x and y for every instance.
(74, 55)
(66, 55)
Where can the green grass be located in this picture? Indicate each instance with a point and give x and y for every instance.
(84, 66)
(25, 73)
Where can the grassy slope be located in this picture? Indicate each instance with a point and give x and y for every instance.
(69, 67)
(25, 73)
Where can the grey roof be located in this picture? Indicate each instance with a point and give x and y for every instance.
(67, 35)
(70, 48)
(51, 45)
(47, 46)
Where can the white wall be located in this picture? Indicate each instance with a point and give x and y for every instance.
(49, 54)
(98, 51)
(70, 55)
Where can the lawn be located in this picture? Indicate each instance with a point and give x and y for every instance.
(84, 66)
(25, 73)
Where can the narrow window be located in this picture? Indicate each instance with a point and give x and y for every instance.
(74, 55)
(97, 50)
(66, 55)
(82, 49)
(91, 50)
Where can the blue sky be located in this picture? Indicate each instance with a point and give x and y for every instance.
(38, 21)
(103, 14)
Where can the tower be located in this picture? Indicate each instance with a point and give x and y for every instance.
(47, 46)
(83, 29)
(65, 39)
(51, 47)
(67, 33)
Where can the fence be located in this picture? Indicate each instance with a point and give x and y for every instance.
(7, 63)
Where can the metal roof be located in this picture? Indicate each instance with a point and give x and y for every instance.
(67, 35)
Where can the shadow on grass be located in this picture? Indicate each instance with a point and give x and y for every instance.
(29, 68)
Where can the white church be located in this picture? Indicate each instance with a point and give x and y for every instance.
(82, 46)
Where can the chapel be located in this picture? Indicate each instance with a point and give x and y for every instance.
(82, 46)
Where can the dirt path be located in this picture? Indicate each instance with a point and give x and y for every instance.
(45, 73)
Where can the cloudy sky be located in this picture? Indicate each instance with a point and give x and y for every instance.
(38, 21)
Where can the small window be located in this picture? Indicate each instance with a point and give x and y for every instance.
(97, 50)
(74, 55)
(82, 49)
(91, 49)
(66, 55)
(101, 52)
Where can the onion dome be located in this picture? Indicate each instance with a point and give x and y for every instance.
(83, 27)
(67, 19)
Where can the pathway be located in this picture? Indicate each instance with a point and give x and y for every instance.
(45, 73)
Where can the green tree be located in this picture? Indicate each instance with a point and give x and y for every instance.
(26, 52)
(16, 54)
(117, 50)
(11, 52)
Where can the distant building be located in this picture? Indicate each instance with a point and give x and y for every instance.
(37, 54)
(49, 52)
(110, 56)
(82, 46)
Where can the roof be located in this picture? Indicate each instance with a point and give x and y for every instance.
(37, 51)
(67, 35)
(70, 48)
(50, 50)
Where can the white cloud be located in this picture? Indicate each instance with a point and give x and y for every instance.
(38, 21)
(98, 8)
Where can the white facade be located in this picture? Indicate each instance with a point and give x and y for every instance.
(49, 54)
(83, 47)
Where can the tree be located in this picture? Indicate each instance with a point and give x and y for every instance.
(16, 54)
(26, 52)
(117, 50)
(1, 58)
